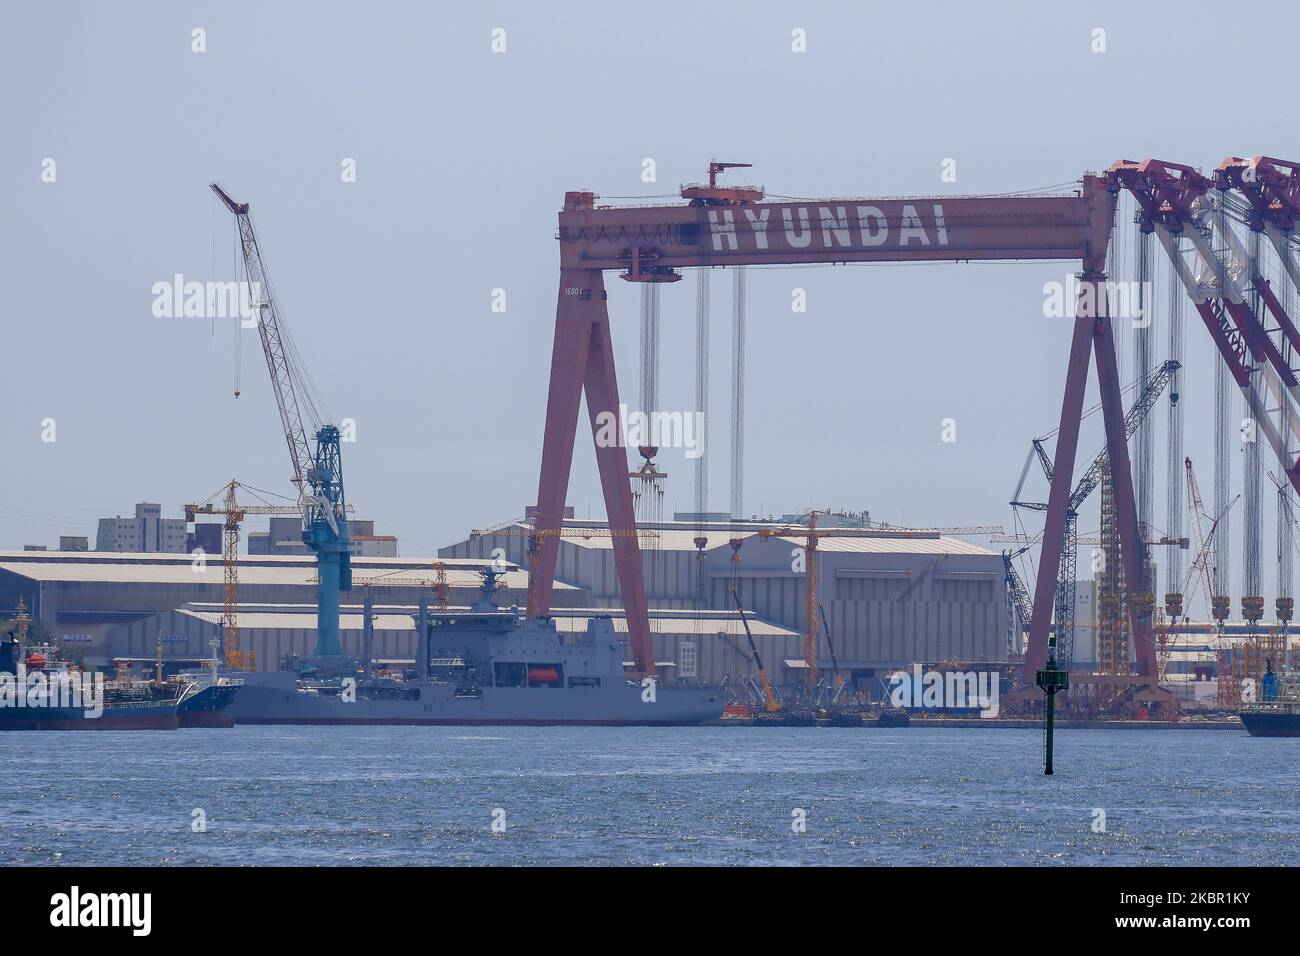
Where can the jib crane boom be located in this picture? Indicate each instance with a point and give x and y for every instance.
(1201, 564)
(318, 476)
(277, 356)
(1018, 604)
(830, 646)
(1067, 570)
(773, 704)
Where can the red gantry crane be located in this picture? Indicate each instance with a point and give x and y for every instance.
(1174, 204)
(723, 227)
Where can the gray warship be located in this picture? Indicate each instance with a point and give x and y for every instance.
(484, 666)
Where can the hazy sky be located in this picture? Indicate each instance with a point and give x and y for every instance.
(463, 156)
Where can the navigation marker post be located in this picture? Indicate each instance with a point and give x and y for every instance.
(1052, 680)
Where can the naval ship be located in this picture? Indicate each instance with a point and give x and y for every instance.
(481, 666)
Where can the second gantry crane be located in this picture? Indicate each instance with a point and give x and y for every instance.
(318, 474)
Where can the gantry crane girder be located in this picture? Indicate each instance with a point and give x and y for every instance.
(1272, 190)
(1272, 186)
(594, 239)
(1174, 202)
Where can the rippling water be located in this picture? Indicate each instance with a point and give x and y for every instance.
(427, 795)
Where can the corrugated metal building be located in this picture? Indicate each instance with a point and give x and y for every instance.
(78, 597)
(891, 601)
(689, 645)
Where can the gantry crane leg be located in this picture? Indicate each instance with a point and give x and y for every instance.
(583, 358)
(1095, 334)
(1067, 442)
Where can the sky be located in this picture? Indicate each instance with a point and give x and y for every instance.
(462, 157)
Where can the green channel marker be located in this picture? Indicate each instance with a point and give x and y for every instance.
(1052, 680)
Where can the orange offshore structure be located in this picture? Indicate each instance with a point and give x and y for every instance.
(730, 227)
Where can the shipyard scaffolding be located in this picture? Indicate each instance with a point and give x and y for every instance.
(1112, 630)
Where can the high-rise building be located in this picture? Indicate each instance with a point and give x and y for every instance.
(285, 537)
(205, 537)
(147, 531)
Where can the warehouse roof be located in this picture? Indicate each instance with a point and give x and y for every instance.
(250, 572)
(303, 616)
(939, 544)
(662, 537)
(376, 564)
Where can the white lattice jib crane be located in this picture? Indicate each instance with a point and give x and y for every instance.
(317, 476)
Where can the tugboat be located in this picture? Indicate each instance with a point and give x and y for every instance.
(1277, 711)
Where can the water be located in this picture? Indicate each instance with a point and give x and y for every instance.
(426, 795)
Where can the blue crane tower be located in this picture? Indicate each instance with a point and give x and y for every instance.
(317, 474)
(325, 531)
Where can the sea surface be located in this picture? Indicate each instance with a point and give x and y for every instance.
(653, 796)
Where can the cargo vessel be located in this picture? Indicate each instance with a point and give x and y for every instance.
(482, 666)
(1277, 711)
(40, 692)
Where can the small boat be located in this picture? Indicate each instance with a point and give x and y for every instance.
(894, 717)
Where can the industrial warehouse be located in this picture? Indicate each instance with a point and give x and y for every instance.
(893, 598)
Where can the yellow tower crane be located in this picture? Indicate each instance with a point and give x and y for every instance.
(233, 512)
(811, 535)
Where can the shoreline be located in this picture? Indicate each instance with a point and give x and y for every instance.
(1021, 723)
